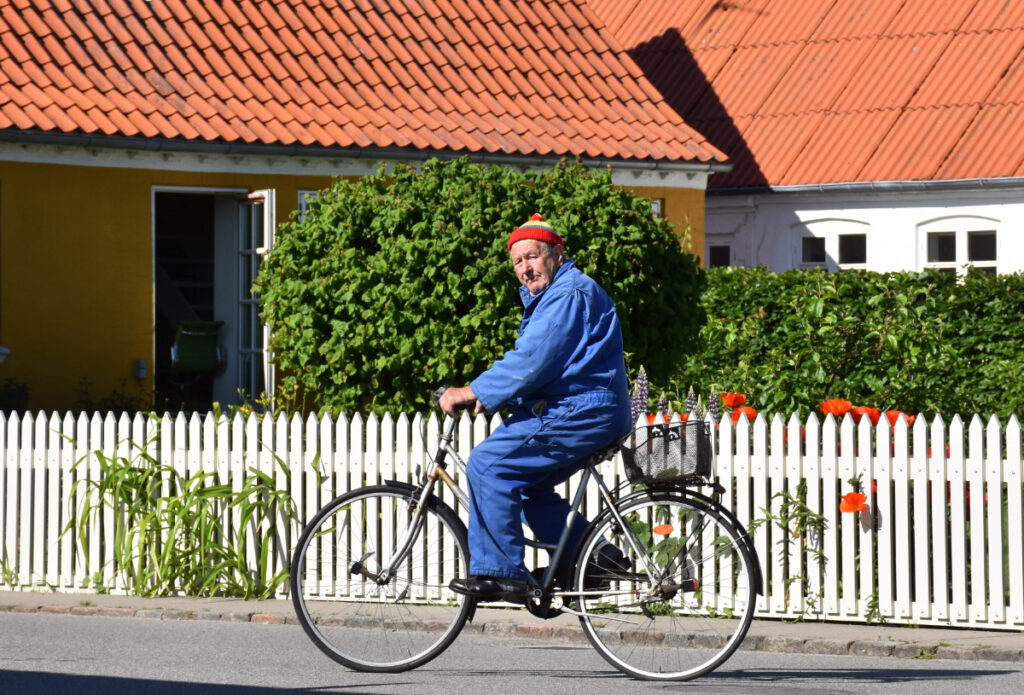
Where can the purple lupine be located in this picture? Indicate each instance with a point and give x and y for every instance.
(692, 402)
(638, 401)
(662, 403)
(714, 406)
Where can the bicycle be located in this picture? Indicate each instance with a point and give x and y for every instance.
(369, 575)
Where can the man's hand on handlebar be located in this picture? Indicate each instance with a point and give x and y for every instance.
(457, 398)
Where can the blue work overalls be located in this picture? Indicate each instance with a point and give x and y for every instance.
(566, 383)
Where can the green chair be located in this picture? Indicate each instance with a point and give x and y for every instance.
(195, 349)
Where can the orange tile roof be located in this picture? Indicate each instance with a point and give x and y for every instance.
(534, 78)
(838, 91)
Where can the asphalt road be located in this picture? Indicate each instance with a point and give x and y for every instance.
(42, 653)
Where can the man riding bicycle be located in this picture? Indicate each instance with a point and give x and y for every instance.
(565, 382)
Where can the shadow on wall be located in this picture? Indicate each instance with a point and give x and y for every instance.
(669, 65)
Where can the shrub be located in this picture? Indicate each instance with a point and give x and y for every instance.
(394, 284)
(916, 342)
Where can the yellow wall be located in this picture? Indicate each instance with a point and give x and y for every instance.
(684, 209)
(76, 273)
(76, 270)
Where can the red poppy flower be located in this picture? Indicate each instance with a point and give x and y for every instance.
(853, 502)
(835, 406)
(651, 417)
(733, 400)
(747, 410)
(861, 410)
(893, 417)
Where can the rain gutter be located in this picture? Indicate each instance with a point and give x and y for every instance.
(174, 146)
(992, 184)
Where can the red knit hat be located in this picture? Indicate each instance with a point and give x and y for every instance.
(537, 229)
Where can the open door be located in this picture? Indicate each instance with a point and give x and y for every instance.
(250, 219)
(255, 238)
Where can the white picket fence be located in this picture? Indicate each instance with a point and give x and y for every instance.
(942, 540)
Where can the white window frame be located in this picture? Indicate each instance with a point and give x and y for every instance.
(960, 226)
(829, 229)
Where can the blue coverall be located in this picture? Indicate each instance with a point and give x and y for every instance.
(566, 383)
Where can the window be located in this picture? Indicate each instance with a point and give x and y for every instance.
(853, 249)
(981, 246)
(812, 250)
(942, 247)
(830, 243)
(950, 250)
(304, 198)
(657, 205)
(719, 256)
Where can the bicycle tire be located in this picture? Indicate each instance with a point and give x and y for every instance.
(693, 613)
(358, 622)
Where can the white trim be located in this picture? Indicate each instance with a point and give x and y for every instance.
(298, 165)
(188, 161)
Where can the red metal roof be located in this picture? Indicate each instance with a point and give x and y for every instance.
(829, 91)
(537, 78)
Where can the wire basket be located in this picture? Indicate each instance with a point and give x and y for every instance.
(670, 454)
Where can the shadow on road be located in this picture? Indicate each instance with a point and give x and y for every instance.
(38, 683)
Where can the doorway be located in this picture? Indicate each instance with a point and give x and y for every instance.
(208, 340)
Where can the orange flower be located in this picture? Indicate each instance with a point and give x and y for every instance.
(651, 417)
(663, 529)
(853, 502)
(862, 410)
(748, 411)
(733, 400)
(835, 406)
(893, 417)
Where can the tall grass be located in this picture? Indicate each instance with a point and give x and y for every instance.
(184, 535)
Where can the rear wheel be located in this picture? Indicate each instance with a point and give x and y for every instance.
(677, 605)
(360, 619)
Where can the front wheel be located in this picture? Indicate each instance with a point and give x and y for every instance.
(366, 621)
(672, 596)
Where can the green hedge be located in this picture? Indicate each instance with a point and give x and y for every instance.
(396, 283)
(916, 342)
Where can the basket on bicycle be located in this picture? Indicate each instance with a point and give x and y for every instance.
(668, 454)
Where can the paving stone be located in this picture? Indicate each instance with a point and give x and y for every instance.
(267, 619)
(966, 653)
(873, 647)
(61, 610)
(1000, 654)
(827, 646)
(236, 617)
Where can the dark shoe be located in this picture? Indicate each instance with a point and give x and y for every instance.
(608, 562)
(490, 588)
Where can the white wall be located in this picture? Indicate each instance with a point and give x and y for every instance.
(767, 229)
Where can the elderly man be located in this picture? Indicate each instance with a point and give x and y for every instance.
(565, 382)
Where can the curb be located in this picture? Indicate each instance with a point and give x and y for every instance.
(571, 634)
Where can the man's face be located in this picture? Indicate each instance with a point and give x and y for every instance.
(536, 263)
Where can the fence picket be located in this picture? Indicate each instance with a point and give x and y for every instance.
(992, 496)
(1014, 521)
(958, 550)
(919, 521)
(880, 500)
(902, 525)
(830, 510)
(976, 488)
